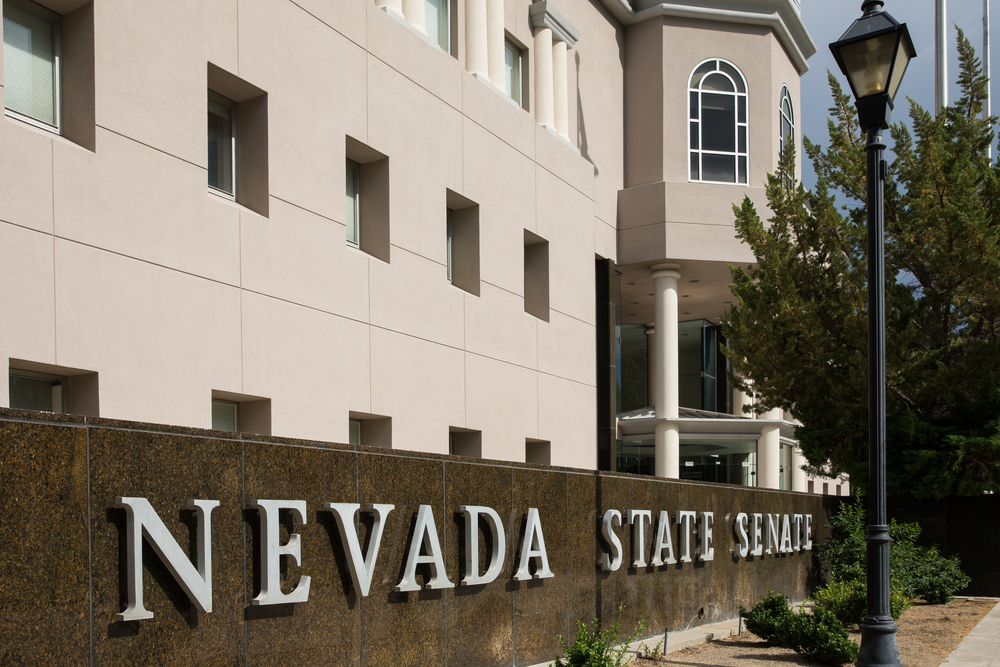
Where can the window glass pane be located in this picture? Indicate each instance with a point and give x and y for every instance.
(448, 244)
(220, 144)
(717, 82)
(734, 73)
(354, 436)
(718, 122)
(695, 175)
(512, 71)
(224, 416)
(353, 201)
(694, 136)
(719, 168)
(436, 22)
(694, 105)
(702, 70)
(29, 64)
(35, 393)
(742, 103)
(743, 170)
(743, 139)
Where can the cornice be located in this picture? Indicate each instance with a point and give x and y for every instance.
(544, 15)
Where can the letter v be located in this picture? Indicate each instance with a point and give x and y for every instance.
(362, 566)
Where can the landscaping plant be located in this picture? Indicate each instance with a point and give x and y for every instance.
(818, 635)
(595, 646)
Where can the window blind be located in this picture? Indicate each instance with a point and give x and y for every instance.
(29, 64)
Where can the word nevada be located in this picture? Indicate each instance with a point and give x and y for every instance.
(757, 534)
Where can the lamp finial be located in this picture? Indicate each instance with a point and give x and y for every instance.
(871, 6)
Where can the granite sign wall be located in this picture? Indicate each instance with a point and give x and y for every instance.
(314, 553)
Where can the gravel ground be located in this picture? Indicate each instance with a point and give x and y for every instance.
(927, 634)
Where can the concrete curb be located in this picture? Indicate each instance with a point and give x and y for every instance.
(981, 647)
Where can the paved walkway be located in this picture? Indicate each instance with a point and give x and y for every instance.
(981, 647)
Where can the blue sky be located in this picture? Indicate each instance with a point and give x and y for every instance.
(828, 19)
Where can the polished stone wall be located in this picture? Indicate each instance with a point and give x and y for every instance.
(63, 560)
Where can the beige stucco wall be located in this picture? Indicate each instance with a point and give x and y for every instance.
(119, 261)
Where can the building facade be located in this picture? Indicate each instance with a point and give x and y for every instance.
(397, 224)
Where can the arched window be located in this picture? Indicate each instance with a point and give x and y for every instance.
(717, 99)
(787, 118)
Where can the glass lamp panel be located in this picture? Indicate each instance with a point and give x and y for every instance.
(352, 203)
(867, 63)
(702, 70)
(904, 51)
(718, 124)
(220, 144)
(719, 168)
(718, 82)
(29, 64)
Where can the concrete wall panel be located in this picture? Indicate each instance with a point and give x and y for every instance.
(27, 328)
(502, 402)
(26, 168)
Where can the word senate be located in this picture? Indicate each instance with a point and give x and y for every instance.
(783, 533)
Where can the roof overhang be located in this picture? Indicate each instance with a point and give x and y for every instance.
(784, 17)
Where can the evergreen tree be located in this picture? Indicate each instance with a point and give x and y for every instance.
(798, 334)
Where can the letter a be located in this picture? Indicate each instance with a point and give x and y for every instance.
(533, 547)
(424, 533)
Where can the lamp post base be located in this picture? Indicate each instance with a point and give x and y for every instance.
(878, 643)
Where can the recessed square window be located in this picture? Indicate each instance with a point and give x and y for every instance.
(462, 243)
(367, 191)
(370, 430)
(225, 415)
(240, 413)
(536, 276)
(222, 145)
(31, 64)
(34, 386)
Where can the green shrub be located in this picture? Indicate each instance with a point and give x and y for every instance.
(768, 617)
(819, 635)
(595, 646)
(919, 571)
(848, 600)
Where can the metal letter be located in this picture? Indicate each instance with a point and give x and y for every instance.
(707, 550)
(809, 541)
(533, 546)
(143, 520)
(684, 519)
(786, 535)
(797, 533)
(611, 562)
(758, 549)
(271, 552)
(498, 536)
(741, 534)
(664, 540)
(361, 566)
(639, 535)
(772, 533)
(424, 533)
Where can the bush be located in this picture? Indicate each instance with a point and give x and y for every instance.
(919, 571)
(848, 601)
(595, 646)
(819, 635)
(768, 617)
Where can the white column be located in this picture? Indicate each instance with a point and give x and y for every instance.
(798, 474)
(476, 52)
(769, 452)
(560, 105)
(543, 76)
(495, 41)
(413, 11)
(393, 5)
(667, 383)
(650, 363)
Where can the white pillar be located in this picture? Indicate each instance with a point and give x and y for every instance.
(413, 10)
(543, 76)
(495, 42)
(393, 5)
(560, 93)
(666, 383)
(769, 452)
(650, 363)
(476, 52)
(798, 474)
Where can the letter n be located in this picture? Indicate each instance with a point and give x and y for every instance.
(144, 522)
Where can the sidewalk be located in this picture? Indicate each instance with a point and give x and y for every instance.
(981, 647)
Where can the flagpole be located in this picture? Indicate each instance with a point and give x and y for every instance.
(987, 107)
(941, 56)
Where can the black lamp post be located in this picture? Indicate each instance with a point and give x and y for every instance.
(873, 55)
